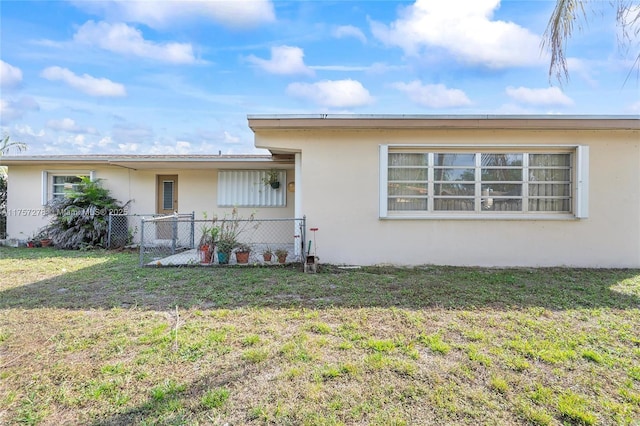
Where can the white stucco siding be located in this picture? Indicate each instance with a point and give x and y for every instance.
(25, 212)
(340, 177)
(197, 192)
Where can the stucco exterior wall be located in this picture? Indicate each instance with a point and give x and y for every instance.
(197, 192)
(340, 196)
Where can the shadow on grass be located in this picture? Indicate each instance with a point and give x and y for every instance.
(177, 403)
(114, 280)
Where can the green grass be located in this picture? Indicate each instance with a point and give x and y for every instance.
(91, 338)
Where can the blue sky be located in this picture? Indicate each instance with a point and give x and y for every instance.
(180, 77)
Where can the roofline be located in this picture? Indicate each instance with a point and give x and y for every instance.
(115, 159)
(417, 121)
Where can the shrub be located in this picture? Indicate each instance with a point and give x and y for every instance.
(81, 218)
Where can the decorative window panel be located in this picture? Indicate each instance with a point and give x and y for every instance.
(246, 188)
(424, 182)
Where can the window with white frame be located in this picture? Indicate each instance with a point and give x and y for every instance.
(62, 184)
(469, 182)
(56, 184)
(247, 188)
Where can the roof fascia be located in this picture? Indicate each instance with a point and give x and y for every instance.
(537, 122)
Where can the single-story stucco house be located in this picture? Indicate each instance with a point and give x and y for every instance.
(408, 190)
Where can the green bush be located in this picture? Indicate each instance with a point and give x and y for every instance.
(81, 218)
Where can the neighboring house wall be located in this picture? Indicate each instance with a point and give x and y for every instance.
(197, 192)
(341, 197)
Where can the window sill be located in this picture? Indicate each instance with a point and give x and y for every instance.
(475, 216)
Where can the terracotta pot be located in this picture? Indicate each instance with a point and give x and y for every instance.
(242, 257)
(205, 254)
(267, 257)
(282, 259)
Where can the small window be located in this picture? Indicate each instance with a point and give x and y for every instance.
(62, 184)
(56, 184)
(247, 188)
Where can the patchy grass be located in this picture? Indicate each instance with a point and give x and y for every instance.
(90, 338)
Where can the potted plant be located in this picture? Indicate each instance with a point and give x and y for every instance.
(225, 247)
(230, 229)
(272, 179)
(242, 253)
(281, 254)
(267, 254)
(207, 244)
(42, 238)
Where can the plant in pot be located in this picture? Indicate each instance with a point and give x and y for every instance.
(242, 253)
(267, 254)
(42, 238)
(230, 229)
(208, 235)
(272, 179)
(281, 254)
(225, 247)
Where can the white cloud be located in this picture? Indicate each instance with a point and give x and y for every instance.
(123, 39)
(162, 13)
(634, 108)
(332, 93)
(69, 125)
(10, 76)
(544, 97)
(183, 147)
(465, 29)
(284, 60)
(85, 83)
(128, 148)
(104, 142)
(12, 110)
(228, 138)
(349, 31)
(588, 70)
(25, 130)
(433, 95)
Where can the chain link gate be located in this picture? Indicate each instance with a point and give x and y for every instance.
(123, 229)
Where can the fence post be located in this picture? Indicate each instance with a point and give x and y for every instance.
(303, 239)
(175, 233)
(109, 232)
(142, 241)
(193, 230)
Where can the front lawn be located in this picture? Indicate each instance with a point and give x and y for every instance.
(91, 338)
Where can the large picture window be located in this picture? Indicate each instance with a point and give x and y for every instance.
(481, 183)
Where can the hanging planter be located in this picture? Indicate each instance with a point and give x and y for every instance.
(272, 178)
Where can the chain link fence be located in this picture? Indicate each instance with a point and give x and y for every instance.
(180, 241)
(124, 229)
